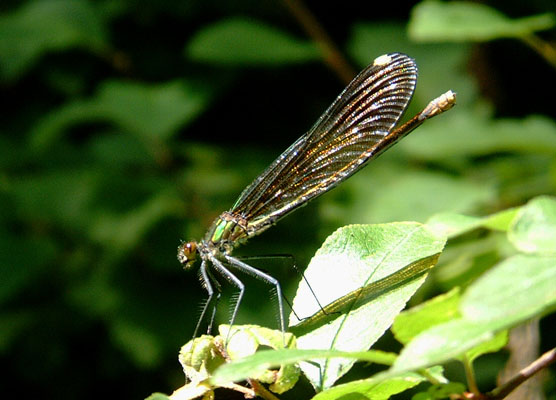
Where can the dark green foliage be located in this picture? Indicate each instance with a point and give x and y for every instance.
(130, 125)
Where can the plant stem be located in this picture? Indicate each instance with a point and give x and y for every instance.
(547, 51)
(470, 375)
(542, 362)
(261, 391)
(333, 57)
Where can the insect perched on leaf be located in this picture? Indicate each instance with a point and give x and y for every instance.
(357, 127)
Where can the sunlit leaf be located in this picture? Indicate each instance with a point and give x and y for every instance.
(517, 289)
(265, 359)
(461, 21)
(452, 225)
(440, 309)
(413, 196)
(513, 291)
(534, 228)
(375, 389)
(470, 134)
(351, 258)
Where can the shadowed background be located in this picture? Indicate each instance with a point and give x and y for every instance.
(128, 126)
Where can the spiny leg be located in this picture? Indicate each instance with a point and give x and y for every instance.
(234, 280)
(297, 271)
(206, 280)
(240, 265)
(216, 300)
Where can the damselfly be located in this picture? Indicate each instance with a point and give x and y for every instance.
(358, 126)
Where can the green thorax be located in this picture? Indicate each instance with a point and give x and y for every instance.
(228, 231)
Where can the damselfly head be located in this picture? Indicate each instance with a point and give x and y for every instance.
(187, 254)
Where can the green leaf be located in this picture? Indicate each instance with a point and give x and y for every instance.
(200, 357)
(452, 225)
(266, 359)
(534, 228)
(158, 396)
(61, 196)
(241, 41)
(245, 340)
(22, 261)
(139, 343)
(14, 324)
(352, 258)
(517, 289)
(440, 309)
(438, 63)
(415, 195)
(464, 21)
(442, 343)
(121, 232)
(365, 294)
(48, 25)
(152, 112)
(375, 389)
(469, 134)
(444, 390)
(493, 345)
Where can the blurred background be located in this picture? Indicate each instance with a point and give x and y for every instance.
(130, 125)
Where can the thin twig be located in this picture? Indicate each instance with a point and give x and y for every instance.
(333, 57)
(547, 51)
(260, 390)
(542, 362)
(470, 376)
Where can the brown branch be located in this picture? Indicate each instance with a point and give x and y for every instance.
(261, 391)
(542, 362)
(544, 49)
(333, 57)
(526, 373)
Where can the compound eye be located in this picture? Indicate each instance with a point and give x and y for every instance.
(187, 254)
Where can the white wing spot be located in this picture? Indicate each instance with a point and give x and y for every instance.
(382, 60)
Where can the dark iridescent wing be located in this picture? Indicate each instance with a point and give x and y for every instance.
(353, 129)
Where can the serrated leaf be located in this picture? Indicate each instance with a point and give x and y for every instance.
(463, 21)
(534, 228)
(241, 41)
(245, 340)
(353, 258)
